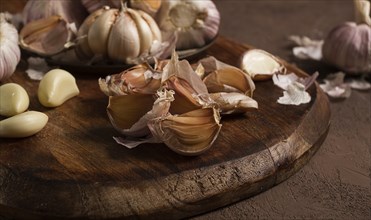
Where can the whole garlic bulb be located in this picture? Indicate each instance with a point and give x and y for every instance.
(348, 46)
(70, 10)
(195, 22)
(121, 35)
(10, 53)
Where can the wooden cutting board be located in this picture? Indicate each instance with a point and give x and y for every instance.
(74, 169)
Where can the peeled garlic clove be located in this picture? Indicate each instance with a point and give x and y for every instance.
(46, 36)
(196, 23)
(10, 53)
(23, 125)
(221, 77)
(261, 65)
(149, 6)
(13, 99)
(191, 133)
(56, 87)
(232, 102)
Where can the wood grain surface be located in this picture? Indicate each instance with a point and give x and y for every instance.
(73, 168)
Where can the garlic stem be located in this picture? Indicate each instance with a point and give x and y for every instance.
(362, 12)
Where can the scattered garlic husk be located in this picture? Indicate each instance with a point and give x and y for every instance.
(335, 87)
(23, 125)
(139, 79)
(37, 67)
(261, 65)
(149, 6)
(221, 77)
(284, 80)
(56, 87)
(294, 95)
(13, 99)
(71, 11)
(196, 23)
(94, 5)
(307, 48)
(233, 102)
(348, 46)
(190, 133)
(125, 36)
(360, 84)
(9, 50)
(47, 36)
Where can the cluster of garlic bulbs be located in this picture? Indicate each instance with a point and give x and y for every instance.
(111, 31)
(174, 102)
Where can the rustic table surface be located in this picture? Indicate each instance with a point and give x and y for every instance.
(335, 183)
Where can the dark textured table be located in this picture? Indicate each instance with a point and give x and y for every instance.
(335, 184)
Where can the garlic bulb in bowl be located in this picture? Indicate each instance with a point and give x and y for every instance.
(10, 53)
(348, 46)
(125, 35)
(196, 23)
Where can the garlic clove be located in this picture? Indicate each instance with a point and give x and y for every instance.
(13, 99)
(261, 65)
(221, 77)
(191, 133)
(139, 79)
(10, 53)
(233, 102)
(100, 29)
(56, 87)
(23, 125)
(46, 36)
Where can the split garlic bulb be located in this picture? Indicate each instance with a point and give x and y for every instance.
(70, 10)
(195, 22)
(348, 46)
(9, 49)
(124, 35)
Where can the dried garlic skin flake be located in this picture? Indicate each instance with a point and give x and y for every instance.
(294, 95)
(23, 125)
(13, 99)
(56, 87)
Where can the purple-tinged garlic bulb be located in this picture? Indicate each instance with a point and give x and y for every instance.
(9, 50)
(348, 46)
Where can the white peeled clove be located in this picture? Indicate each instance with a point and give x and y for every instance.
(56, 87)
(261, 65)
(10, 53)
(23, 125)
(13, 99)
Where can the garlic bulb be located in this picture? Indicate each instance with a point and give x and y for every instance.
(10, 53)
(195, 22)
(149, 6)
(47, 36)
(70, 10)
(124, 36)
(261, 65)
(348, 46)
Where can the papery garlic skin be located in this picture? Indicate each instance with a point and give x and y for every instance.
(233, 102)
(70, 10)
(23, 125)
(196, 23)
(13, 99)
(56, 87)
(10, 53)
(348, 47)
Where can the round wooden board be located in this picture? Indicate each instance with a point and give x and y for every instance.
(74, 169)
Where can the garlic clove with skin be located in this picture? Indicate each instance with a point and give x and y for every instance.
(233, 102)
(47, 36)
(261, 65)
